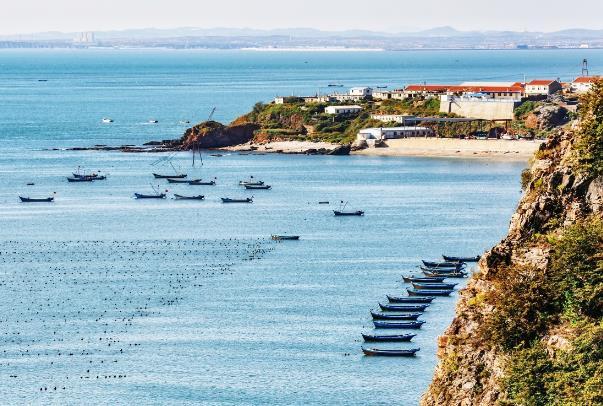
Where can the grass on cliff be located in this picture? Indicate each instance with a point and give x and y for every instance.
(589, 146)
(529, 305)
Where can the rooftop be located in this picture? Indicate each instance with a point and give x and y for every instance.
(541, 82)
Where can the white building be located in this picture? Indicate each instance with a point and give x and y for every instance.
(479, 106)
(338, 110)
(382, 94)
(361, 91)
(542, 87)
(385, 133)
(393, 118)
(583, 84)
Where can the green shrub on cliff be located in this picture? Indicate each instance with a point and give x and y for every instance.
(589, 146)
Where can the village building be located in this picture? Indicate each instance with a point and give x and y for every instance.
(540, 87)
(495, 90)
(384, 133)
(394, 118)
(339, 110)
(583, 84)
(361, 91)
(479, 106)
(382, 94)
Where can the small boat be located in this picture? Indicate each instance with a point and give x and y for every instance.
(442, 271)
(216, 155)
(201, 183)
(34, 200)
(390, 353)
(403, 307)
(258, 187)
(446, 274)
(429, 292)
(106, 120)
(30, 184)
(181, 180)
(385, 316)
(461, 259)
(385, 338)
(180, 197)
(398, 324)
(251, 182)
(153, 121)
(83, 179)
(411, 299)
(142, 196)
(177, 176)
(334, 85)
(323, 202)
(285, 237)
(428, 279)
(348, 213)
(445, 264)
(229, 200)
(437, 286)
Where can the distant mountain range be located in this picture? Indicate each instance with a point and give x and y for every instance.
(308, 37)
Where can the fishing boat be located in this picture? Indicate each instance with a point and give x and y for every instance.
(385, 338)
(229, 200)
(446, 274)
(34, 200)
(285, 237)
(461, 259)
(403, 307)
(258, 187)
(390, 353)
(107, 120)
(201, 183)
(405, 316)
(420, 285)
(429, 292)
(429, 279)
(153, 121)
(82, 179)
(177, 176)
(180, 197)
(348, 213)
(442, 271)
(251, 181)
(181, 180)
(409, 299)
(445, 264)
(216, 155)
(143, 196)
(323, 202)
(398, 324)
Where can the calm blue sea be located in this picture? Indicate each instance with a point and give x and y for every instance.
(109, 300)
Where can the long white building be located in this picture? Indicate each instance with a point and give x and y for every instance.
(385, 133)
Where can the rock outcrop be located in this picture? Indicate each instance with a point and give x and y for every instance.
(547, 117)
(212, 134)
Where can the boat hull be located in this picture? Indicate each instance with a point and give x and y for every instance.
(141, 196)
(390, 353)
(403, 307)
(388, 338)
(430, 292)
(180, 176)
(409, 299)
(399, 325)
(461, 259)
(427, 279)
(227, 200)
(348, 213)
(433, 286)
(30, 200)
(385, 316)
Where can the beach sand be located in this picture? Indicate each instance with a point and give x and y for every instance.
(447, 147)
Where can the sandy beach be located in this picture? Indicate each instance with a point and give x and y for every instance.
(447, 147)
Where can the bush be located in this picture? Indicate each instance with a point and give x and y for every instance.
(524, 109)
(589, 146)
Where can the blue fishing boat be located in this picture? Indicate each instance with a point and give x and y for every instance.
(404, 316)
(403, 307)
(461, 259)
(437, 286)
(229, 200)
(445, 264)
(390, 353)
(446, 274)
(409, 299)
(386, 338)
(429, 279)
(429, 292)
(36, 200)
(143, 196)
(399, 324)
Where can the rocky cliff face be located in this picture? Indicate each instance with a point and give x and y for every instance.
(212, 134)
(473, 367)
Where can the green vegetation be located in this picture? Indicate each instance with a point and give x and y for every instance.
(525, 108)
(589, 147)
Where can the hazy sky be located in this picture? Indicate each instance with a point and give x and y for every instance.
(26, 16)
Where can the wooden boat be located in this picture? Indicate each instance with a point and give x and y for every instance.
(348, 213)
(403, 307)
(201, 183)
(71, 180)
(177, 176)
(447, 274)
(398, 324)
(390, 353)
(285, 237)
(34, 200)
(386, 338)
(251, 182)
(429, 292)
(180, 197)
(445, 264)
(429, 279)
(461, 259)
(437, 286)
(405, 316)
(442, 271)
(409, 299)
(229, 200)
(181, 180)
(143, 196)
(258, 187)
(92, 175)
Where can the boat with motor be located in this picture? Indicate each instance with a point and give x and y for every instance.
(442, 271)
(348, 213)
(403, 307)
(386, 338)
(199, 182)
(461, 259)
(446, 274)
(437, 286)
(429, 292)
(258, 187)
(181, 197)
(398, 324)
(143, 196)
(181, 180)
(152, 121)
(410, 299)
(176, 176)
(229, 200)
(444, 264)
(107, 120)
(284, 237)
(386, 316)
(251, 181)
(390, 353)
(82, 179)
(36, 200)
(428, 279)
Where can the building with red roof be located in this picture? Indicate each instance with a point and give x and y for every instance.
(542, 87)
(583, 84)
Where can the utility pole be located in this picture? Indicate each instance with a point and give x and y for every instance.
(585, 67)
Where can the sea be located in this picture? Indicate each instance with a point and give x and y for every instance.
(105, 299)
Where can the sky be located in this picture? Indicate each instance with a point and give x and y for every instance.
(29, 16)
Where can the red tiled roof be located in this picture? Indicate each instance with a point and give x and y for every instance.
(539, 82)
(587, 79)
(458, 88)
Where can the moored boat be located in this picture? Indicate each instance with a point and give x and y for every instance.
(229, 200)
(386, 338)
(258, 187)
(386, 316)
(181, 197)
(436, 286)
(201, 183)
(86, 179)
(409, 299)
(390, 353)
(429, 292)
(403, 307)
(181, 180)
(143, 196)
(177, 176)
(348, 213)
(447, 274)
(429, 279)
(284, 237)
(444, 264)
(441, 271)
(461, 259)
(398, 324)
(36, 200)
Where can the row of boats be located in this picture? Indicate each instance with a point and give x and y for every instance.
(403, 312)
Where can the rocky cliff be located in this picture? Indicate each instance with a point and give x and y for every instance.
(528, 328)
(211, 134)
